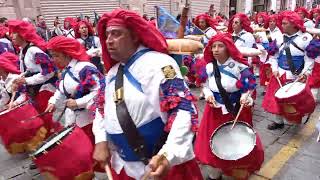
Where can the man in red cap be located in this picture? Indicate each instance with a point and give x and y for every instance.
(291, 61)
(85, 35)
(37, 68)
(150, 122)
(303, 13)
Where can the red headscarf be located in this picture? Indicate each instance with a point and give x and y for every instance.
(273, 17)
(303, 10)
(245, 22)
(313, 11)
(71, 21)
(209, 20)
(265, 18)
(3, 31)
(77, 27)
(226, 39)
(293, 18)
(68, 46)
(9, 62)
(27, 31)
(148, 34)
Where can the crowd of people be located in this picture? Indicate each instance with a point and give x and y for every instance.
(127, 106)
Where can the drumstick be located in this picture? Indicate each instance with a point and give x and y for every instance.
(108, 172)
(148, 173)
(12, 99)
(241, 107)
(279, 81)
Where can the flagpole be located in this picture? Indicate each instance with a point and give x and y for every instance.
(157, 15)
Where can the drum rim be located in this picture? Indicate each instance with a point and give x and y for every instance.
(34, 156)
(275, 94)
(16, 107)
(230, 122)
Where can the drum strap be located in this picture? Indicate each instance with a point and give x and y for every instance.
(269, 36)
(224, 94)
(289, 56)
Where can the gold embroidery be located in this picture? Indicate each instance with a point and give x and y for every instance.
(169, 72)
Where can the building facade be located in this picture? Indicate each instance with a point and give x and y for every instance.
(62, 8)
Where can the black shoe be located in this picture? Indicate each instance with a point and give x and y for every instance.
(32, 166)
(275, 126)
(263, 93)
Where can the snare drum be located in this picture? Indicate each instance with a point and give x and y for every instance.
(233, 144)
(17, 132)
(66, 155)
(295, 102)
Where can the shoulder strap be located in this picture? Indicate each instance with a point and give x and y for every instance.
(224, 94)
(268, 36)
(135, 140)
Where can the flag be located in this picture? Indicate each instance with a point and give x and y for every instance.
(96, 17)
(167, 24)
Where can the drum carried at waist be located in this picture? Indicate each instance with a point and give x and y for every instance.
(233, 144)
(295, 101)
(21, 130)
(66, 155)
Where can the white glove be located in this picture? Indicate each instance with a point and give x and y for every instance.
(245, 99)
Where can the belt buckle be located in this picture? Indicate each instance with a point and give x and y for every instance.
(118, 96)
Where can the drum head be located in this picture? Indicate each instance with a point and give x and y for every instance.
(233, 144)
(51, 141)
(296, 88)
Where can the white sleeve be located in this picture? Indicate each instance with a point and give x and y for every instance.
(308, 65)
(249, 40)
(88, 99)
(97, 42)
(38, 78)
(57, 96)
(179, 141)
(98, 128)
(273, 61)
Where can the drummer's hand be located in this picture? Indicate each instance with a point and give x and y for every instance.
(276, 73)
(14, 87)
(50, 108)
(159, 169)
(20, 81)
(302, 78)
(101, 153)
(211, 101)
(71, 103)
(246, 101)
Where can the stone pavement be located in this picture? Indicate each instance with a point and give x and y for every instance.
(290, 154)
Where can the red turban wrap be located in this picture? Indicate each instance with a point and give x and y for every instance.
(68, 46)
(265, 18)
(3, 31)
(148, 34)
(9, 62)
(245, 22)
(71, 21)
(77, 27)
(226, 39)
(293, 18)
(209, 20)
(274, 17)
(314, 11)
(302, 10)
(27, 31)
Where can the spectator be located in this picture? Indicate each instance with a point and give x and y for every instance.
(4, 21)
(42, 29)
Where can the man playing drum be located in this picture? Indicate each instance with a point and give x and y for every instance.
(291, 61)
(228, 84)
(79, 84)
(39, 71)
(151, 119)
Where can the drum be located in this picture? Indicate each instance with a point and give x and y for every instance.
(233, 144)
(19, 131)
(295, 102)
(65, 155)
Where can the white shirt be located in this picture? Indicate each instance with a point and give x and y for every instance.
(228, 83)
(308, 23)
(33, 67)
(209, 33)
(69, 33)
(302, 41)
(92, 49)
(8, 44)
(81, 118)
(143, 108)
(246, 39)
